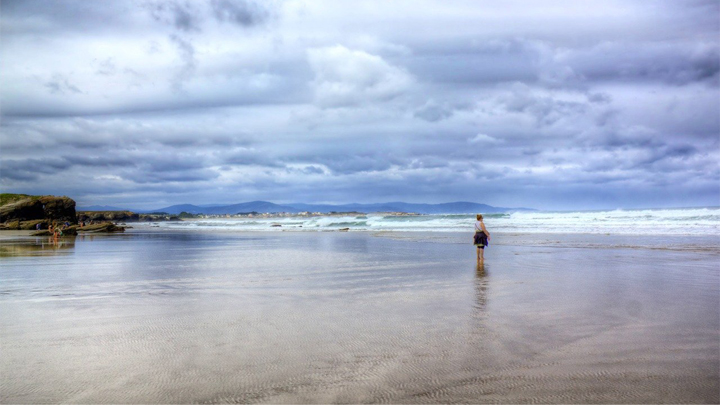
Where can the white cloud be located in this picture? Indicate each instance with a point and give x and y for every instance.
(483, 138)
(345, 77)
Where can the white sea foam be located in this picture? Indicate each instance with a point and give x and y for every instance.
(689, 221)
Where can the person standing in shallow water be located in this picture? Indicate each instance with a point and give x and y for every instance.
(481, 237)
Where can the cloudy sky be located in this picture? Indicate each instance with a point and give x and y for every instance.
(546, 104)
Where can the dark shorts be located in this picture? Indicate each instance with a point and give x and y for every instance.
(480, 240)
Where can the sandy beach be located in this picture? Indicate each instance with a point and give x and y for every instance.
(321, 317)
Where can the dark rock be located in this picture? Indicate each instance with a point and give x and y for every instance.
(99, 228)
(30, 208)
(69, 231)
(59, 208)
(12, 225)
(73, 230)
(123, 216)
(25, 209)
(116, 216)
(32, 225)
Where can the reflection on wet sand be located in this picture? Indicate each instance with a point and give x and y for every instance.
(349, 318)
(481, 285)
(42, 246)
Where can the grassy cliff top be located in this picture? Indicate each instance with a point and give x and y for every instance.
(7, 198)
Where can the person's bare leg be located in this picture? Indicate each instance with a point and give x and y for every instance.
(482, 255)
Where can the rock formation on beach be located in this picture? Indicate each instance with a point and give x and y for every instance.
(75, 229)
(23, 208)
(115, 216)
(123, 216)
(29, 212)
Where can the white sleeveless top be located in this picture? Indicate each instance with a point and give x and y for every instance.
(478, 226)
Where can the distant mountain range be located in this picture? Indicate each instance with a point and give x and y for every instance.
(265, 206)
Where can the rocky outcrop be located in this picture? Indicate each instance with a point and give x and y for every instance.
(59, 208)
(28, 208)
(23, 210)
(71, 231)
(123, 216)
(105, 227)
(24, 225)
(26, 212)
(97, 216)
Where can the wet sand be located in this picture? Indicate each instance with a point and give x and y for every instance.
(148, 317)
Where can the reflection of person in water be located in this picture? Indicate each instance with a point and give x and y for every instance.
(481, 238)
(481, 285)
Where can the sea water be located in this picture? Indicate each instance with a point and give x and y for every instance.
(676, 221)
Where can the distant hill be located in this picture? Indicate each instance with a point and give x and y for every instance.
(257, 206)
(445, 208)
(176, 209)
(265, 206)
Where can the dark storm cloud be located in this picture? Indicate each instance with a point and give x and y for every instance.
(180, 176)
(554, 102)
(60, 85)
(203, 140)
(189, 65)
(433, 112)
(480, 64)
(542, 64)
(673, 63)
(340, 164)
(31, 169)
(250, 157)
(188, 16)
(182, 15)
(94, 161)
(309, 170)
(107, 138)
(29, 17)
(244, 13)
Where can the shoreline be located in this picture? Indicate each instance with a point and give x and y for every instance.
(701, 244)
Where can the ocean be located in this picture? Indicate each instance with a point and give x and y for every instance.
(675, 221)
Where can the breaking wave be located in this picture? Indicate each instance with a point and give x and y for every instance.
(689, 221)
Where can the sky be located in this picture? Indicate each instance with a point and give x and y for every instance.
(556, 105)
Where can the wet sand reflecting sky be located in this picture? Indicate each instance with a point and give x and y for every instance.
(351, 317)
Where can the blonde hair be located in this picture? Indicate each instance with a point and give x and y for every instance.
(479, 217)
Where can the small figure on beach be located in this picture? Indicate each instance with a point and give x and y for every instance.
(481, 237)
